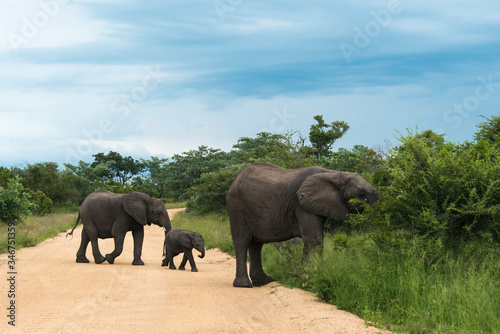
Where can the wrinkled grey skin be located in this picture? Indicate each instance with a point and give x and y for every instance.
(182, 241)
(267, 203)
(108, 215)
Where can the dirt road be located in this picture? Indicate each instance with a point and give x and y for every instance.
(53, 294)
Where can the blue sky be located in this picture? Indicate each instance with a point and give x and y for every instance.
(158, 78)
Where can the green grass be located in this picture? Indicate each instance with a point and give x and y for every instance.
(405, 290)
(175, 205)
(36, 229)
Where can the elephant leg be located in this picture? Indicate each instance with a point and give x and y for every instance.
(119, 239)
(257, 273)
(241, 280)
(311, 229)
(80, 254)
(182, 266)
(188, 255)
(171, 260)
(138, 240)
(91, 231)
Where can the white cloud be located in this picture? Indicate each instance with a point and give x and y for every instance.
(262, 25)
(46, 24)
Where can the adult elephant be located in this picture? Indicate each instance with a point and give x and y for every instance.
(268, 203)
(108, 215)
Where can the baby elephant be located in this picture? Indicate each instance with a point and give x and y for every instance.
(182, 241)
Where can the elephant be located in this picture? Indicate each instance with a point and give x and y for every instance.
(182, 241)
(108, 215)
(267, 203)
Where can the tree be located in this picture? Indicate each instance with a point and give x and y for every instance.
(322, 136)
(259, 147)
(87, 179)
(489, 130)
(121, 168)
(45, 177)
(210, 194)
(292, 152)
(14, 202)
(186, 169)
(5, 175)
(154, 181)
(43, 203)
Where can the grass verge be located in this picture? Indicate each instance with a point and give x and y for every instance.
(407, 290)
(36, 229)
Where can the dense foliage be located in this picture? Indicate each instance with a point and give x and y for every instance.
(432, 188)
(441, 190)
(13, 201)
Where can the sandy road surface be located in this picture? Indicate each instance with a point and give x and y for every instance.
(53, 294)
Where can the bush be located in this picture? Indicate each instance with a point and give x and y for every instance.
(44, 204)
(439, 190)
(210, 194)
(14, 202)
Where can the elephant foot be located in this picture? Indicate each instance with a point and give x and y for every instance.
(99, 260)
(138, 262)
(182, 268)
(164, 263)
(194, 269)
(172, 267)
(82, 260)
(242, 282)
(110, 259)
(262, 280)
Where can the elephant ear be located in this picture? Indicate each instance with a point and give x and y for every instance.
(320, 194)
(135, 205)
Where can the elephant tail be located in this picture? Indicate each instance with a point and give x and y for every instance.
(71, 233)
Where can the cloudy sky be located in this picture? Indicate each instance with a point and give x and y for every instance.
(156, 78)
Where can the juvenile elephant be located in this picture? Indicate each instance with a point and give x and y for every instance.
(182, 241)
(108, 215)
(267, 203)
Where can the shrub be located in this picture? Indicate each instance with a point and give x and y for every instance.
(210, 194)
(44, 204)
(440, 190)
(14, 202)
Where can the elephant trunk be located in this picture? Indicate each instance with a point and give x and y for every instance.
(166, 224)
(202, 255)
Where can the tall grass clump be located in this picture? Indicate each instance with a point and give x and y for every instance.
(35, 229)
(410, 288)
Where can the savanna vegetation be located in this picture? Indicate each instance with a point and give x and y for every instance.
(426, 259)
